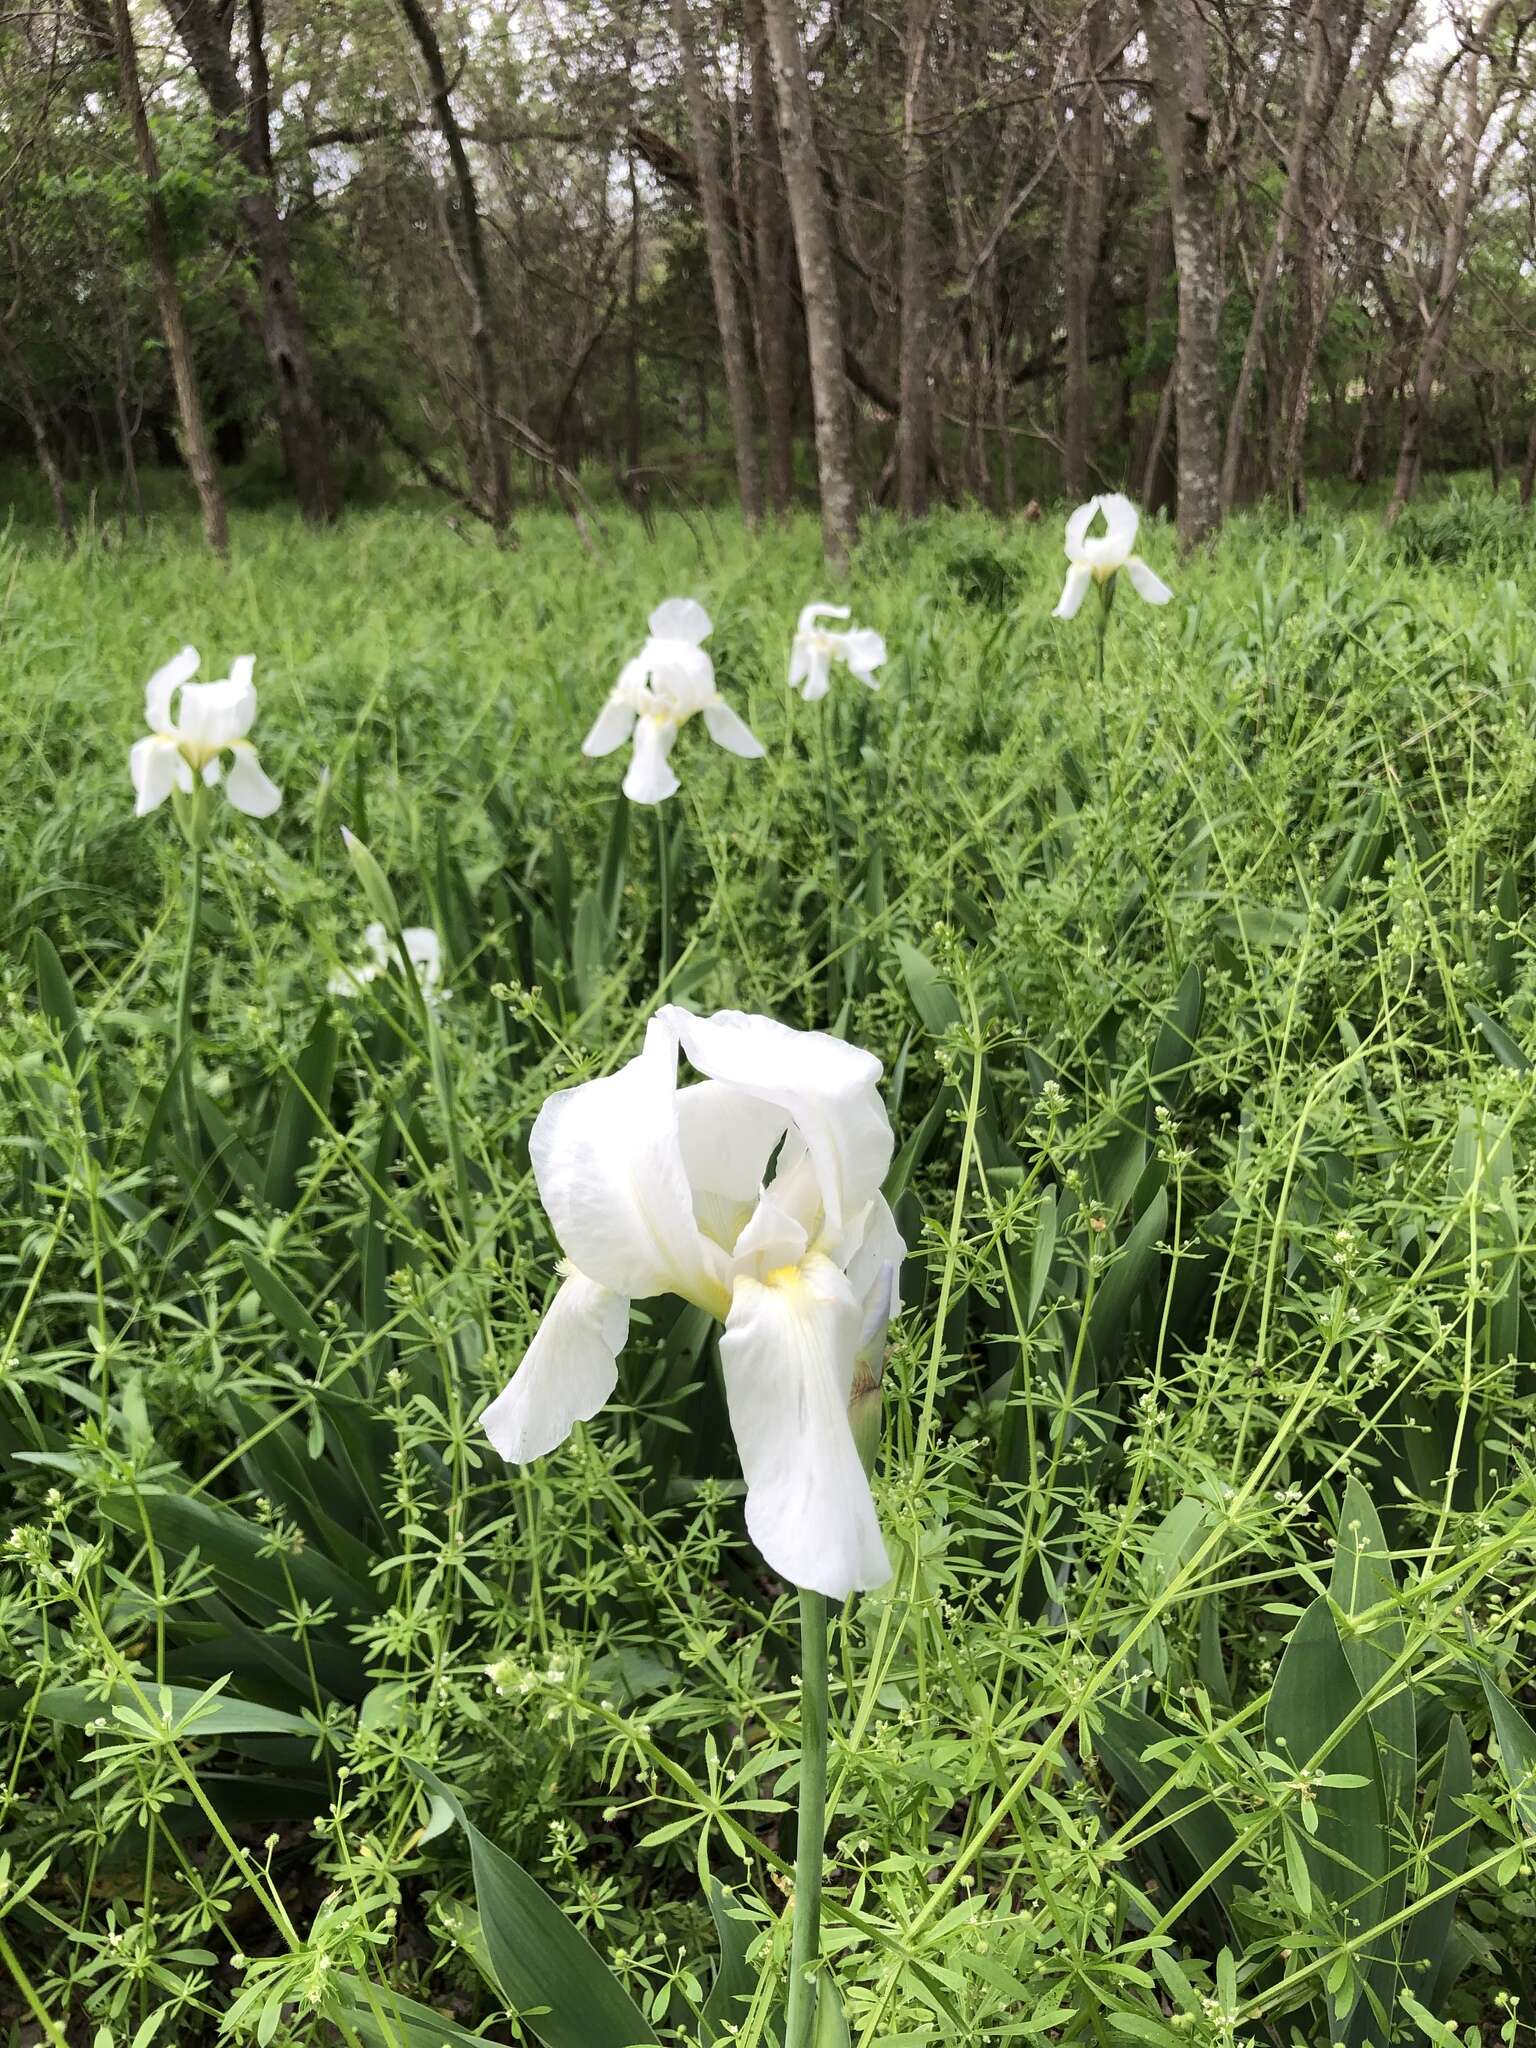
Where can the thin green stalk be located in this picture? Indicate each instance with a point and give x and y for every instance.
(664, 890)
(1101, 624)
(810, 1836)
(183, 1048)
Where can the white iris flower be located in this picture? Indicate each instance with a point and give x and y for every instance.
(187, 741)
(657, 693)
(754, 1193)
(423, 949)
(1099, 558)
(815, 649)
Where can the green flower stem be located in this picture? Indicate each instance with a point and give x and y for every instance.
(183, 1047)
(664, 889)
(1106, 599)
(810, 1837)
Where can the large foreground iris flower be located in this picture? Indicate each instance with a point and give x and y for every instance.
(1099, 558)
(655, 696)
(754, 1193)
(187, 741)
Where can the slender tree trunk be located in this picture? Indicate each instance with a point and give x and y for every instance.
(1360, 453)
(1313, 314)
(722, 273)
(1082, 231)
(1151, 495)
(1176, 40)
(465, 218)
(26, 398)
(242, 125)
(912, 424)
(1473, 124)
(1319, 95)
(1528, 467)
(632, 448)
(1489, 420)
(773, 265)
(1158, 283)
(818, 283)
(173, 321)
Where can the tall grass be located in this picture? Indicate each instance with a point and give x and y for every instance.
(1195, 1711)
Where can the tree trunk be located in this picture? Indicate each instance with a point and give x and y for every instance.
(242, 127)
(1082, 231)
(722, 273)
(1360, 454)
(465, 219)
(1175, 31)
(773, 266)
(1152, 493)
(1326, 65)
(47, 462)
(818, 283)
(1528, 467)
(632, 436)
(913, 419)
(1474, 118)
(173, 322)
(1313, 314)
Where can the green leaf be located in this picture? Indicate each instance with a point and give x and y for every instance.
(735, 1981)
(1130, 1272)
(1516, 1745)
(1508, 1049)
(57, 998)
(222, 1717)
(1202, 1833)
(385, 2018)
(932, 997)
(610, 885)
(549, 1973)
(1175, 1047)
(376, 889)
(1349, 1850)
(305, 1105)
(1426, 1945)
(279, 1299)
(1362, 1581)
(831, 2028)
(239, 1552)
(1041, 1252)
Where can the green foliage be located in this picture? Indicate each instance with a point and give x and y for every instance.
(1198, 1709)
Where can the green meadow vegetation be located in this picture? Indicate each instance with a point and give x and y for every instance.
(1199, 1708)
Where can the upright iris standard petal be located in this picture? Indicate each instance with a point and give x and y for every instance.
(788, 1356)
(825, 1087)
(568, 1372)
(609, 1164)
(680, 618)
(160, 690)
